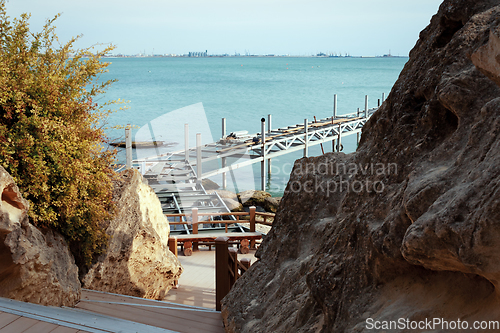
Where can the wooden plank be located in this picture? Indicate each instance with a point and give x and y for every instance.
(73, 318)
(41, 327)
(19, 325)
(7, 318)
(62, 329)
(177, 320)
(212, 236)
(89, 295)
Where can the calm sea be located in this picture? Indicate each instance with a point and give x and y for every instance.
(243, 90)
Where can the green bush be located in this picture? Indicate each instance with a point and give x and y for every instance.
(51, 140)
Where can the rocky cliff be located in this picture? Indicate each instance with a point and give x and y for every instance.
(35, 265)
(137, 261)
(408, 226)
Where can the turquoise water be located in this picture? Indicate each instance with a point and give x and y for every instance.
(244, 90)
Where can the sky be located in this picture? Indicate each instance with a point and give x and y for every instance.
(293, 27)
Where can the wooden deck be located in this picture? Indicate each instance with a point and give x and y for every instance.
(197, 282)
(169, 316)
(13, 323)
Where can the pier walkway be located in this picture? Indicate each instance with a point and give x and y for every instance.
(182, 170)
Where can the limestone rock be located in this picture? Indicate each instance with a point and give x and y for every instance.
(233, 205)
(253, 198)
(225, 194)
(487, 57)
(137, 261)
(35, 266)
(271, 204)
(209, 184)
(408, 225)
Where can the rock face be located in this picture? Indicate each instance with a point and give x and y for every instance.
(137, 261)
(35, 266)
(271, 204)
(408, 226)
(253, 198)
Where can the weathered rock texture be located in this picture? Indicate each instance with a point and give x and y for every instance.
(253, 198)
(137, 261)
(409, 225)
(35, 266)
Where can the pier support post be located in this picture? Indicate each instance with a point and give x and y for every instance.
(198, 157)
(186, 142)
(128, 146)
(366, 106)
(335, 106)
(306, 138)
(263, 153)
(269, 119)
(224, 177)
(383, 97)
(222, 285)
(339, 140)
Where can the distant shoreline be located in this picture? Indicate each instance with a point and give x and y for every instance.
(251, 56)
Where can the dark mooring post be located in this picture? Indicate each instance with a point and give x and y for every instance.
(222, 283)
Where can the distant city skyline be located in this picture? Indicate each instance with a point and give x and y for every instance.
(292, 27)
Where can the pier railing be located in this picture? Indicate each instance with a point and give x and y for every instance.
(194, 218)
(227, 268)
(267, 144)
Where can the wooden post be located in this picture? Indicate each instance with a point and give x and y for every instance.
(194, 214)
(378, 102)
(128, 146)
(224, 178)
(186, 142)
(172, 245)
(222, 286)
(335, 106)
(383, 97)
(263, 153)
(198, 157)
(252, 225)
(366, 106)
(233, 266)
(246, 262)
(306, 137)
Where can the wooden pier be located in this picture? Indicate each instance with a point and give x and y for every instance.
(254, 148)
